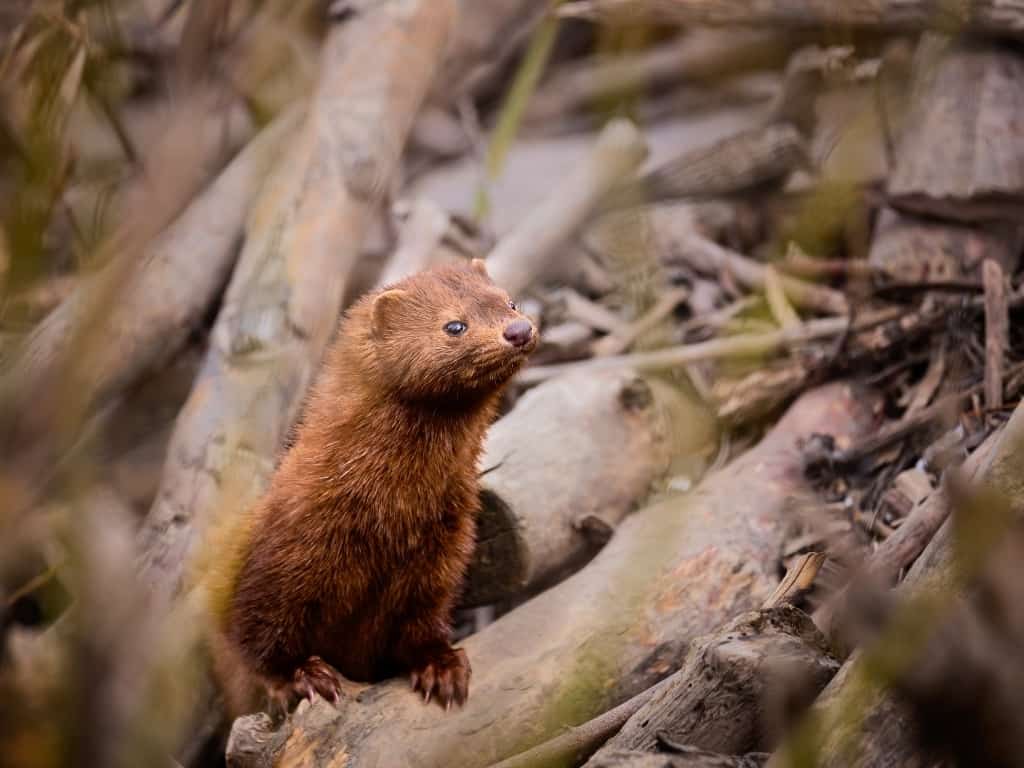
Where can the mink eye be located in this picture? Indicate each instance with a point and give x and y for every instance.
(513, 306)
(455, 328)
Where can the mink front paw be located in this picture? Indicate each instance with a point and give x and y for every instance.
(443, 675)
(317, 676)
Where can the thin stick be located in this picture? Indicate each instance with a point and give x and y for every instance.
(709, 257)
(775, 295)
(997, 324)
(735, 346)
(621, 340)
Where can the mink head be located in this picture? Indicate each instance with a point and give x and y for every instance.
(447, 332)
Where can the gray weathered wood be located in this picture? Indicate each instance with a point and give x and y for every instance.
(722, 698)
(566, 465)
(962, 153)
(992, 17)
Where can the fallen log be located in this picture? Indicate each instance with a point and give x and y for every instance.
(284, 299)
(986, 17)
(563, 469)
(744, 165)
(673, 571)
(700, 56)
(722, 697)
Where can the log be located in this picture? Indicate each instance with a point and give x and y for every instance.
(518, 258)
(570, 461)
(998, 18)
(879, 732)
(701, 56)
(961, 157)
(676, 570)
(747, 164)
(144, 314)
(282, 304)
(721, 698)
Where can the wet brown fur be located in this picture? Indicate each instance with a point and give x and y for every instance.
(358, 549)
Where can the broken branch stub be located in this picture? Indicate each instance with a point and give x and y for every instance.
(673, 571)
(524, 253)
(565, 466)
(720, 700)
(284, 299)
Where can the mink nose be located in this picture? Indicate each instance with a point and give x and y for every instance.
(518, 333)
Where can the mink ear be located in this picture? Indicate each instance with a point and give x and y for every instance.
(384, 309)
(480, 266)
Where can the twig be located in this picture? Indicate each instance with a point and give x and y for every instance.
(997, 323)
(521, 255)
(622, 339)
(775, 295)
(734, 346)
(709, 257)
(798, 580)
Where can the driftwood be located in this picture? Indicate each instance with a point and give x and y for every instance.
(747, 164)
(724, 696)
(991, 17)
(701, 56)
(673, 571)
(284, 299)
(961, 156)
(518, 258)
(880, 732)
(543, 510)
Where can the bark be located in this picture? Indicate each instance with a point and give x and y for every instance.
(747, 164)
(987, 17)
(723, 697)
(674, 571)
(883, 732)
(543, 511)
(282, 304)
(962, 153)
(518, 258)
(701, 56)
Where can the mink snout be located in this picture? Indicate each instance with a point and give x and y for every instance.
(518, 333)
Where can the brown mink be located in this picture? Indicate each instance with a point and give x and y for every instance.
(356, 552)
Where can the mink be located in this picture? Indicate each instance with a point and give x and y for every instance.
(356, 552)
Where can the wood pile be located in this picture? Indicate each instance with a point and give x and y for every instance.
(755, 500)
